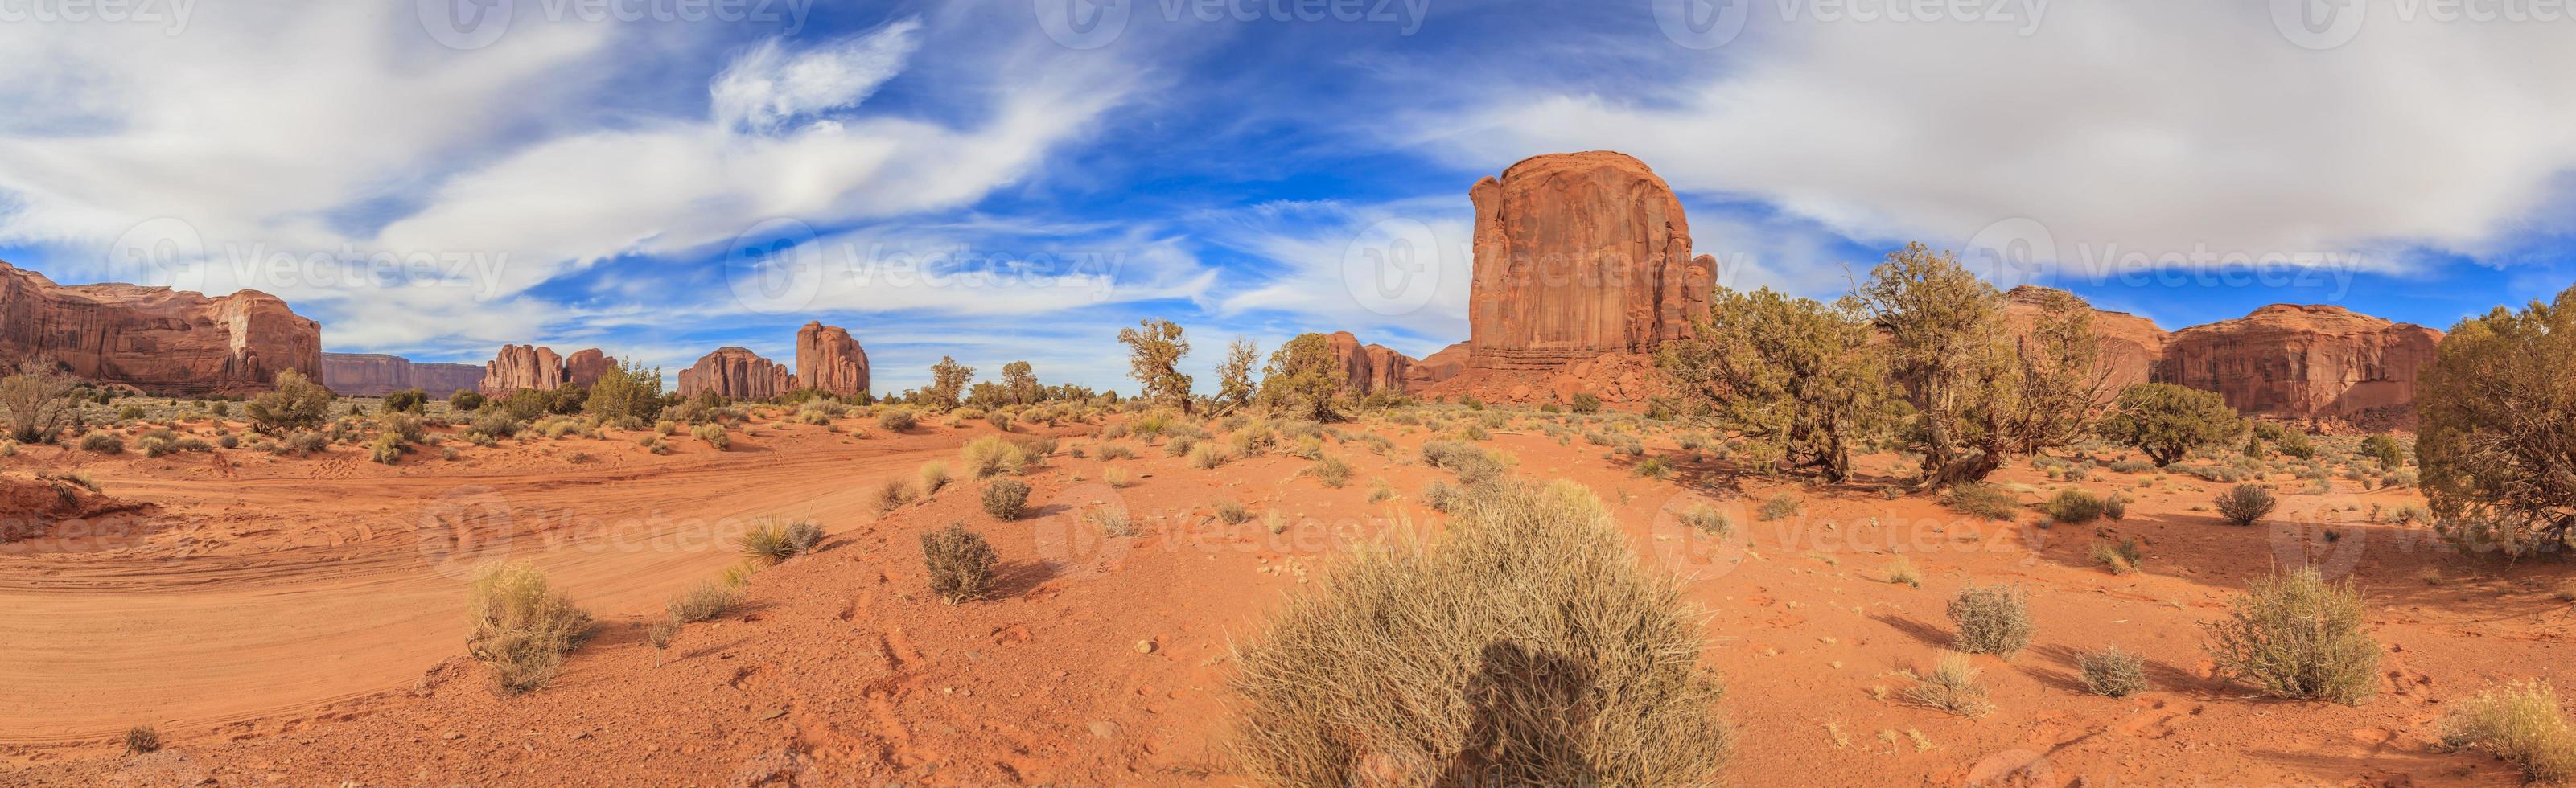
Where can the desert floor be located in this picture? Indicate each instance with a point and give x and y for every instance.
(299, 620)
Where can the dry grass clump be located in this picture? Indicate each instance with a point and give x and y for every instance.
(703, 602)
(892, 494)
(773, 540)
(1992, 620)
(1331, 472)
(1780, 506)
(2076, 507)
(142, 740)
(1233, 512)
(521, 625)
(1207, 456)
(1900, 570)
(934, 475)
(960, 563)
(1952, 687)
(1525, 648)
(897, 420)
(2520, 723)
(2112, 672)
(1004, 499)
(102, 443)
(2121, 558)
(1117, 451)
(714, 435)
(1978, 499)
(2245, 503)
(1708, 520)
(2298, 636)
(991, 456)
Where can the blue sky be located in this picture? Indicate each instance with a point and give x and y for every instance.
(978, 179)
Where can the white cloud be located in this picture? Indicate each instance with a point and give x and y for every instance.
(2155, 127)
(767, 87)
(1395, 273)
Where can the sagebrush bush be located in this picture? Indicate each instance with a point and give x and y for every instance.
(1332, 472)
(1779, 506)
(1476, 659)
(897, 420)
(960, 563)
(2121, 558)
(934, 475)
(2520, 723)
(2298, 636)
(991, 456)
(714, 435)
(520, 625)
(2245, 504)
(702, 602)
(102, 443)
(2075, 507)
(1952, 686)
(1004, 499)
(1708, 520)
(2113, 672)
(1992, 620)
(1232, 512)
(1978, 499)
(142, 740)
(1901, 570)
(893, 493)
(386, 449)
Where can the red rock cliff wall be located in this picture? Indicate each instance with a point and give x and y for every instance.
(376, 374)
(828, 359)
(738, 373)
(1580, 255)
(2303, 362)
(154, 338)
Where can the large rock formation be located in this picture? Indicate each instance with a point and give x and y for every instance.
(1436, 367)
(2130, 344)
(828, 359)
(1580, 255)
(529, 367)
(738, 373)
(2304, 362)
(156, 339)
(1368, 368)
(376, 374)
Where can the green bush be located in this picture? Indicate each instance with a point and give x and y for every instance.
(1584, 403)
(407, 401)
(466, 401)
(1004, 499)
(2075, 507)
(2298, 636)
(1992, 620)
(102, 443)
(959, 561)
(1978, 499)
(292, 403)
(2167, 421)
(2245, 504)
(521, 625)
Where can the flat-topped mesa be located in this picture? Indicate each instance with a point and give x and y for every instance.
(827, 359)
(1369, 368)
(530, 367)
(156, 339)
(2305, 362)
(377, 374)
(2130, 344)
(1580, 255)
(736, 373)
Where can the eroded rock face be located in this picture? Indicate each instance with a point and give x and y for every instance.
(1580, 255)
(2304, 362)
(738, 373)
(829, 360)
(2130, 344)
(1369, 368)
(376, 375)
(1436, 367)
(156, 339)
(531, 367)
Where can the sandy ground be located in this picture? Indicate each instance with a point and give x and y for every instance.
(298, 621)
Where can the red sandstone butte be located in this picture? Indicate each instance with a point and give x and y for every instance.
(2304, 362)
(1368, 368)
(737, 373)
(1579, 255)
(2130, 344)
(377, 374)
(829, 360)
(156, 339)
(529, 367)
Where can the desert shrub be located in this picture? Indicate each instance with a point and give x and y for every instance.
(2075, 507)
(102, 443)
(386, 449)
(893, 493)
(1474, 659)
(1992, 620)
(1653, 467)
(1585, 403)
(770, 541)
(1179, 445)
(1117, 451)
(2168, 421)
(521, 625)
(1207, 456)
(2383, 448)
(1331, 472)
(1441, 496)
(737, 574)
(2112, 672)
(659, 635)
(2121, 558)
(1900, 570)
(959, 561)
(304, 443)
(1779, 506)
(1708, 520)
(1470, 463)
(155, 445)
(2131, 466)
(2495, 440)
(404, 427)
(2298, 636)
(1806, 379)
(714, 435)
(934, 475)
(409, 401)
(1232, 512)
(991, 456)
(142, 740)
(40, 401)
(2295, 444)
(1005, 498)
(2245, 503)
(293, 402)
(466, 401)
(1952, 686)
(702, 602)
(2520, 723)
(2115, 507)
(897, 420)
(1978, 499)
